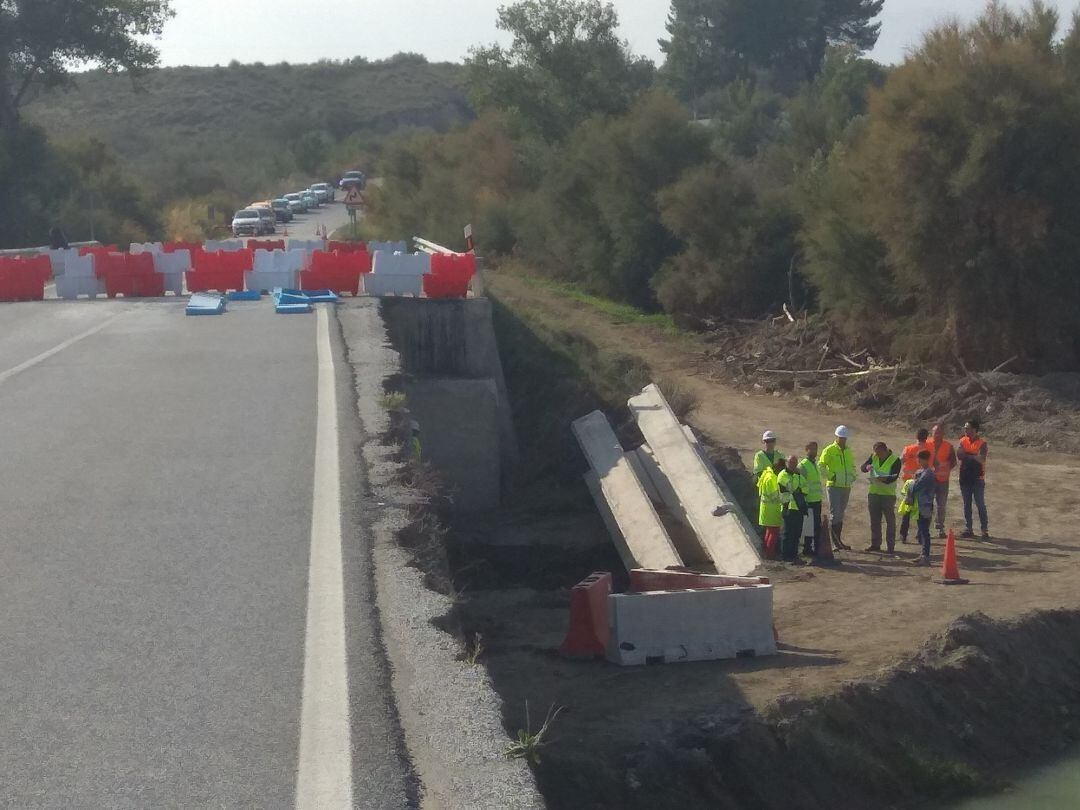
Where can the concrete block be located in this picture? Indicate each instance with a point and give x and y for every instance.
(459, 435)
(401, 264)
(387, 247)
(71, 287)
(58, 259)
(76, 266)
(399, 285)
(642, 541)
(690, 625)
(722, 537)
(748, 527)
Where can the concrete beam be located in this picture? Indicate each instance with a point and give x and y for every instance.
(641, 535)
(722, 536)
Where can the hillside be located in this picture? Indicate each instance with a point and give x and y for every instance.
(198, 114)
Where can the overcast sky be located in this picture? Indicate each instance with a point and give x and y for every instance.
(208, 32)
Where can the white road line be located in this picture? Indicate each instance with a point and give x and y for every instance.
(33, 361)
(324, 780)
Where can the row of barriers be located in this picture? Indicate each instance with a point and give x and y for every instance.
(154, 269)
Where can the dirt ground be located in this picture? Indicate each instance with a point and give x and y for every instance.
(835, 626)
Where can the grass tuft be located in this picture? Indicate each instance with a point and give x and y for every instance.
(527, 745)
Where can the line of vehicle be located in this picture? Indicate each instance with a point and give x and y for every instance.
(324, 779)
(45, 355)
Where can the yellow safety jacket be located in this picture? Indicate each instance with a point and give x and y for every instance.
(763, 461)
(907, 505)
(837, 465)
(771, 510)
(790, 483)
(882, 468)
(811, 480)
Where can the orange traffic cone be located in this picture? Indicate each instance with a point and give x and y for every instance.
(950, 571)
(823, 554)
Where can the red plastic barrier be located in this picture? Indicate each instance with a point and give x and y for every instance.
(255, 244)
(346, 247)
(23, 279)
(450, 275)
(339, 272)
(129, 275)
(222, 271)
(588, 634)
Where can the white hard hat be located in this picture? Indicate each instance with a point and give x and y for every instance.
(768, 436)
(842, 432)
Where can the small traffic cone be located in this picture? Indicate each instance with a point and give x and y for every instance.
(823, 554)
(950, 571)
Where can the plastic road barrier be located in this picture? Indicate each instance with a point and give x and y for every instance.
(339, 272)
(132, 276)
(334, 246)
(171, 267)
(255, 244)
(23, 279)
(401, 264)
(450, 275)
(387, 247)
(203, 304)
(222, 271)
(78, 277)
(273, 269)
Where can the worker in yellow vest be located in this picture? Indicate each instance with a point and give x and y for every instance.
(771, 508)
(808, 468)
(793, 499)
(884, 468)
(837, 467)
(768, 455)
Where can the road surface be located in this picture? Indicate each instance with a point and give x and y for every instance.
(304, 226)
(184, 565)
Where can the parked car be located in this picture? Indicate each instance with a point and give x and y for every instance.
(325, 189)
(320, 195)
(248, 222)
(296, 203)
(353, 178)
(312, 200)
(282, 210)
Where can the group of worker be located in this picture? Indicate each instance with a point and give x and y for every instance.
(792, 491)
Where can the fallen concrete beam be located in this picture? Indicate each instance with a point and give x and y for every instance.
(641, 541)
(748, 526)
(723, 537)
(691, 625)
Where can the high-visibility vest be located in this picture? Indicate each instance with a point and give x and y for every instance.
(771, 510)
(974, 448)
(910, 460)
(790, 483)
(838, 466)
(940, 460)
(763, 461)
(811, 479)
(882, 468)
(905, 508)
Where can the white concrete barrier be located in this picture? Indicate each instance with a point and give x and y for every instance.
(387, 247)
(690, 625)
(145, 247)
(78, 278)
(275, 268)
(227, 245)
(401, 264)
(309, 245)
(173, 266)
(58, 258)
(382, 286)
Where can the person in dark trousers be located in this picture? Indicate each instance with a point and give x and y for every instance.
(57, 240)
(793, 498)
(972, 457)
(909, 465)
(808, 469)
(884, 468)
(924, 493)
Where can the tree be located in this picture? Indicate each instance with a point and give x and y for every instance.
(565, 64)
(713, 42)
(41, 41)
(951, 224)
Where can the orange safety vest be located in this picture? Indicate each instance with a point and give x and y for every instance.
(974, 448)
(940, 460)
(910, 460)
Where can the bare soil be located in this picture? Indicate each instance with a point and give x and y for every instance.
(850, 625)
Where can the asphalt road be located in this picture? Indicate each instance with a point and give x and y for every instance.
(161, 644)
(333, 215)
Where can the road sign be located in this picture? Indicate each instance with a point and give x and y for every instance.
(354, 199)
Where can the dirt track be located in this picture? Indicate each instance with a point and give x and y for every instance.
(873, 610)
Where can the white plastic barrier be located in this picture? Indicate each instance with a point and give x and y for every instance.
(308, 245)
(382, 286)
(78, 278)
(145, 247)
(228, 245)
(388, 247)
(173, 266)
(402, 264)
(273, 269)
(59, 258)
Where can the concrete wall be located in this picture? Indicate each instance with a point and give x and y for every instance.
(440, 342)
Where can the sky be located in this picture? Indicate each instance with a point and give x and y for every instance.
(209, 32)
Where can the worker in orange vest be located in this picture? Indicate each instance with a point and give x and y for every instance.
(943, 460)
(909, 465)
(972, 455)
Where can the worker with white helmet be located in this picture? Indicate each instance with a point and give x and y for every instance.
(837, 467)
(768, 455)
